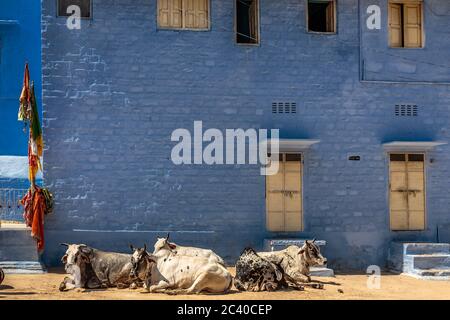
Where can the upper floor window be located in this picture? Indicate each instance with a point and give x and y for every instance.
(322, 16)
(405, 24)
(247, 21)
(64, 9)
(183, 14)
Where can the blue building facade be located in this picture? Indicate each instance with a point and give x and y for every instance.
(116, 89)
(20, 41)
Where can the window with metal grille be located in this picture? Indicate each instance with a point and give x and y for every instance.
(85, 6)
(406, 110)
(284, 107)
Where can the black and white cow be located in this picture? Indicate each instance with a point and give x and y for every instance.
(255, 273)
(295, 262)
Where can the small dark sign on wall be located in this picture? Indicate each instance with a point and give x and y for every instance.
(354, 158)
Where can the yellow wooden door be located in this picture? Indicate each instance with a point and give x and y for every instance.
(395, 25)
(284, 195)
(407, 192)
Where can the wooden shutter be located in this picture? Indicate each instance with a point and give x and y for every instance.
(416, 193)
(196, 14)
(330, 17)
(253, 15)
(275, 200)
(395, 25)
(412, 25)
(170, 13)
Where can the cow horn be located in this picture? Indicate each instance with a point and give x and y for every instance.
(131, 247)
(65, 244)
(145, 247)
(168, 235)
(314, 240)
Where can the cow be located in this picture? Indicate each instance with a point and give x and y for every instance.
(2, 276)
(164, 244)
(255, 273)
(167, 272)
(295, 262)
(80, 273)
(110, 269)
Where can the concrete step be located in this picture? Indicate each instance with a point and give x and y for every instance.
(321, 272)
(22, 267)
(431, 261)
(18, 252)
(427, 248)
(401, 254)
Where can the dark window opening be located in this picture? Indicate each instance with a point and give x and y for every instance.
(293, 157)
(247, 22)
(321, 16)
(416, 157)
(84, 5)
(398, 157)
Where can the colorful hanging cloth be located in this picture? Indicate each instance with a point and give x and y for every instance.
(35, 206)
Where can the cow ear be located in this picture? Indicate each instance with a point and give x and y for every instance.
(64, 259)
(301, 251)
(172, 246)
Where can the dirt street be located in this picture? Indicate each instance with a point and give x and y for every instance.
(45, 286)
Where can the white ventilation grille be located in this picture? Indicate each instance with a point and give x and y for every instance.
(284, 107)
(406, 110)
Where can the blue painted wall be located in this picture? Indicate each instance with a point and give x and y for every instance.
(20, 41)
(116, 89)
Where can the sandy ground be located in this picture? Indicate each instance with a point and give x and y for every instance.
(342, 287)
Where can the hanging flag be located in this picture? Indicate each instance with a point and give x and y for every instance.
(25, 97)
(36, 143)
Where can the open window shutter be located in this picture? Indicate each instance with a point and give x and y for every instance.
(169, 13)
(413, 25)
(253, 14)
(330, 17)
(395, 25)
(196, 14)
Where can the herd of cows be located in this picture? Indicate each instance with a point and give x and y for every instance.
(175, 269)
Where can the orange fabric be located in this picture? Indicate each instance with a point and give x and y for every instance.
(35, 208)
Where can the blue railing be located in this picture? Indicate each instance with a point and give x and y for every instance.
(10, 209)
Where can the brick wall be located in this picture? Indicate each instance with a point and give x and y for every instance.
(114, 91)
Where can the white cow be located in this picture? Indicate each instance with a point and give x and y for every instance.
(173, 273)
(164, 244)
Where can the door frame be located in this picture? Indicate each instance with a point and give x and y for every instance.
(302, 180)
(425, 196)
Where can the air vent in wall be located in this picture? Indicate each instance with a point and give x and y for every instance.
(284, 107)
(406, 110)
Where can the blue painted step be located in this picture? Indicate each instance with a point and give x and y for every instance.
(421, 260)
